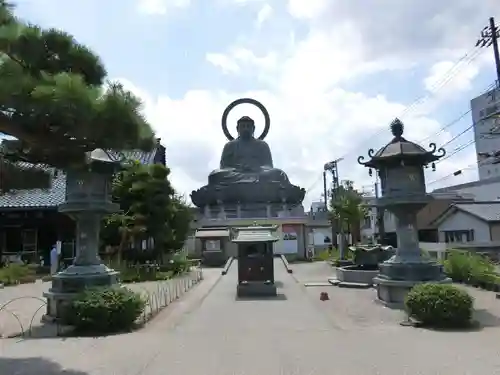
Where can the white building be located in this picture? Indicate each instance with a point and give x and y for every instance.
(477, 222)
(317, 206)
(487, 133)
(482, 190)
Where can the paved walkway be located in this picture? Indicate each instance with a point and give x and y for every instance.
(22, 306)
(209, 332)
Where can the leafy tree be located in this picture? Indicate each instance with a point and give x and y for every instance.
(55, 103)
(150, 209)
(183, 215)
(347, 208)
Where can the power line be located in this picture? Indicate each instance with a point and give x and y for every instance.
(446, 126)
(456, 151)
(458, 135)
(448, 76)
(315, 183)
(487, 39)
(459, 171)
(466, 59)
(455, 121)
(454, 174)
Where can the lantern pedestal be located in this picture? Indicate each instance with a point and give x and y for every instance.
(392, 293)
(408, 266)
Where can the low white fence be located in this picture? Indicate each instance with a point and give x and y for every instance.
(20, 314)
(436, 250)
(160, 294)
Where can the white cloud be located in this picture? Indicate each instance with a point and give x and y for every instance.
(160, 7)
(455, 77)
(226, 63)
(238, 58)
(307, 9)
(264, 14)
(306, 131)
(314, 119)
(446, 72)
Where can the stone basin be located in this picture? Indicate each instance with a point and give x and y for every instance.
(357, 274)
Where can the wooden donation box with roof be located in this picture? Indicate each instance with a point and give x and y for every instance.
(255, 260)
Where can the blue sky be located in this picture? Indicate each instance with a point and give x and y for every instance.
(332, 73)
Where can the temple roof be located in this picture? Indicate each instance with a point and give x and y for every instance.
(55, 195)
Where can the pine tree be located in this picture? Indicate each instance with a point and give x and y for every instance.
(56, 105)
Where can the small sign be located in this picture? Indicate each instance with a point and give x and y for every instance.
(212, 245)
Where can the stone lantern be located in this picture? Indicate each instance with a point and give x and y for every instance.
(88, 200)
(400, 165)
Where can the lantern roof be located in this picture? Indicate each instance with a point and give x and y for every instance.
(399, 149)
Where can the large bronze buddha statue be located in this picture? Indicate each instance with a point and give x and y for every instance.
(246, 159)
(246, 173)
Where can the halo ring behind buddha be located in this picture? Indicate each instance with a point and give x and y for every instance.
(237, 102)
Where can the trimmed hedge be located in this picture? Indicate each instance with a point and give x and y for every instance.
(105, 310)
(440, 305)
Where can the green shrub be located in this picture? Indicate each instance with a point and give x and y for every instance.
(471, 268)
(39, 270)
(13, 274)
(457, 266)
(105, 310)
(177, 264)
(480, 269)
(440, 305)
(323, 256)
(144, 272)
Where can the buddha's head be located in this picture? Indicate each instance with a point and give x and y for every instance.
(245, 127)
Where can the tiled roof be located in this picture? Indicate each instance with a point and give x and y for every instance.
(485, 211)
(137, 155)
(39, 198)
(55, 195)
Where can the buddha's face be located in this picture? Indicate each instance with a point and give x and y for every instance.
(245, 128)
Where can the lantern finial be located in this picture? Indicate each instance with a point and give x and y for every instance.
(397, 128)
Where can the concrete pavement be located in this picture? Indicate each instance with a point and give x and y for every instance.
(209, 332)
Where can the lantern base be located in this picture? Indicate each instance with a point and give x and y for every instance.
(68, 284)
(395, 280)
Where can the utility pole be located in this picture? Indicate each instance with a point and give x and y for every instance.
(325, 194)
(489, 37)
(380, 218)
(332, 167)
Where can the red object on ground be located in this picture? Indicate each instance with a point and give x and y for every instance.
(324, 296)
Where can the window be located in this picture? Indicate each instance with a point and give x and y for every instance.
(367, 222)
(458, 236)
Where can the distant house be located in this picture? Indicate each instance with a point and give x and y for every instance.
(477, 222)
(426, 219)
(30, 223)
